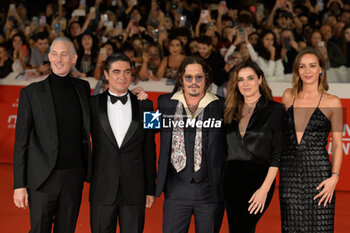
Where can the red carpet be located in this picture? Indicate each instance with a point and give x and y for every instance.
(13, 220)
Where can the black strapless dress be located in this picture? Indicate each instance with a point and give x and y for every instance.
(302, 168)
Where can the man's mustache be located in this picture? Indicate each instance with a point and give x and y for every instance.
(193, 85)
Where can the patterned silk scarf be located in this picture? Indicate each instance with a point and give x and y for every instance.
(178, 151)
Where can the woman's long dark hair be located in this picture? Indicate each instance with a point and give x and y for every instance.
(234, 99)
(262, 51)
(94, 50)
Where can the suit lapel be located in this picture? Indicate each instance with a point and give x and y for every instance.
(83, 99)
(104, 119)
(46, 100)
(135, 112)
(208, 113)
(169, 110)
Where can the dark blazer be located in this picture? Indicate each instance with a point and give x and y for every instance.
(263, 139)
(132, 166)
(36, 137)
(214, 148)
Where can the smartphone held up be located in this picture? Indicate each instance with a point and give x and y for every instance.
(205, 16)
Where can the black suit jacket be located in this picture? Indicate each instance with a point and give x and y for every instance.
(36, 137)
(132, 166)
(214, 148)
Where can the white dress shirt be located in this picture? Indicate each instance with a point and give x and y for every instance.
(119, 116)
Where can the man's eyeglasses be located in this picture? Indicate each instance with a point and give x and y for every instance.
(199, 78)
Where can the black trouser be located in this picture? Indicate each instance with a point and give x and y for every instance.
(56, 202)
(182, 200)
(103, 218)
(241, 180)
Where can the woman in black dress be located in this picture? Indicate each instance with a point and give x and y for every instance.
(307, 177)
(254, 141)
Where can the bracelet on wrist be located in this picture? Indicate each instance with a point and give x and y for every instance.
(335, 173)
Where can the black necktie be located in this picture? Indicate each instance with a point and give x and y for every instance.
(122, 99)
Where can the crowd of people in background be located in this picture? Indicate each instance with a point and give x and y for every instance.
(158, 35)
(191, 44)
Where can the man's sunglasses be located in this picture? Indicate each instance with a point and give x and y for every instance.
(189, 78)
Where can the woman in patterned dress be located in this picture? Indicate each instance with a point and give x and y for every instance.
(307, 177)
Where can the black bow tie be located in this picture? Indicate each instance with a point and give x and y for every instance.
(122, 99)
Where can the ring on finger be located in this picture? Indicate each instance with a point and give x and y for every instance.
(329, 195)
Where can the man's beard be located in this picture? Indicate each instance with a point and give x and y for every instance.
(194, 94)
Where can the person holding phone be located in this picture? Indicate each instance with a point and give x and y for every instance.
(289, 50)
(39, 54)
(15, 19)
(267, 55)
(19, 50)
(336, 55)
(239, 44)
(204, 18)
(106, 50)
(73, 32)
(87, 55)
(330, 51)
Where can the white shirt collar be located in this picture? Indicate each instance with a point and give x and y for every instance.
(116, 94)
(207, 99)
